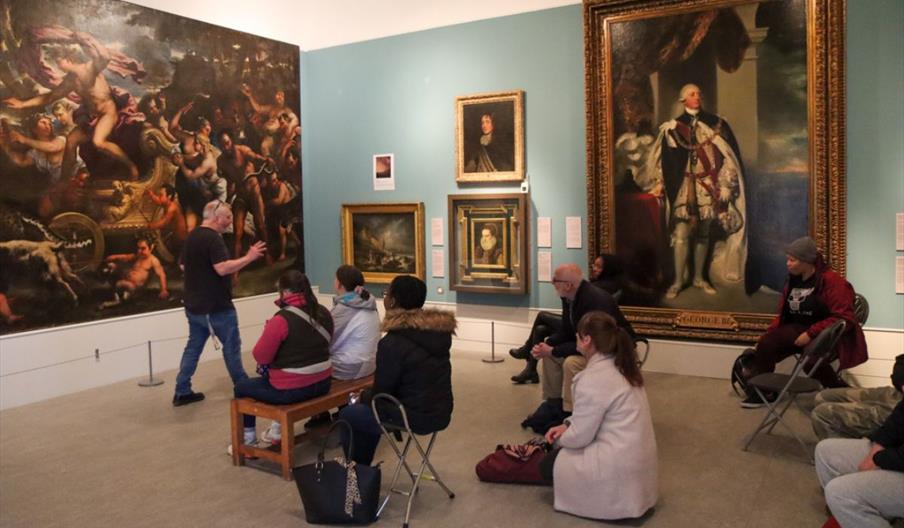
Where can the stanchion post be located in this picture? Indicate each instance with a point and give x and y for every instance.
(493, 358)
(150, 382)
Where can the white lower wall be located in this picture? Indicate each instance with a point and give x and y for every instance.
(43, 364)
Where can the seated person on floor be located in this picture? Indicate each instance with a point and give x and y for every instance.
(412, 365)
(814, 298)
(558, 357)
(127, 282)
(853, 412)
(356, 333)
(603, 464)
(863, 478)
(605, 273)
(293, 353)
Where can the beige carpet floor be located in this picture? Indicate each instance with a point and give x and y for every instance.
(122, 456)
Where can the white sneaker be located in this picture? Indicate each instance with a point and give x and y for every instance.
(273, 434)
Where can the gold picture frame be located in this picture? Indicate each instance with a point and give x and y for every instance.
(488, 243)
(639, 56)
(489, 137)
(384, 240)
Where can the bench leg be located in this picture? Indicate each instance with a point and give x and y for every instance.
(237, 434)
(288, 446)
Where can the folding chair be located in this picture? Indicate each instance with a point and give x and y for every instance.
(790, 386)
(395, 433)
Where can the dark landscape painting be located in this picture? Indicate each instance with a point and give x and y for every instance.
(118, 123)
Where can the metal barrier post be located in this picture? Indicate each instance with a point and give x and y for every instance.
(150, 382)
(493, 358)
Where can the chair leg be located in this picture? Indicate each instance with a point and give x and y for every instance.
(763, 423)
(287, 432)
(237, 429)
(791, 400)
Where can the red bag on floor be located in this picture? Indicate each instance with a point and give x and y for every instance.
(831, 523)
(514, 463)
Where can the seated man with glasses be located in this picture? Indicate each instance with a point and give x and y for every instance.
(558, 355)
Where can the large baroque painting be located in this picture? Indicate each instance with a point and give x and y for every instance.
(117, 124)
(715, 137)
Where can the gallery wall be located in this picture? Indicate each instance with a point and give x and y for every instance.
(396, 95)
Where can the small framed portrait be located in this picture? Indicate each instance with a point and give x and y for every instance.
(487, 243)
(489, 137)
(384, 172)
(384, 240)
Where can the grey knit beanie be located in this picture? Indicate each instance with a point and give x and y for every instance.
(803, 249)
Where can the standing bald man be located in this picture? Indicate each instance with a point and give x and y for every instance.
(558, 355)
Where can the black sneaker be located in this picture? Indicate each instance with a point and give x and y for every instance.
(519, 353)
(754, 402)
(184, 399)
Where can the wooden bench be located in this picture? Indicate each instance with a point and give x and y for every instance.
(287, 416)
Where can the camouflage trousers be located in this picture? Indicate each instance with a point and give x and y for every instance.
(852, 412)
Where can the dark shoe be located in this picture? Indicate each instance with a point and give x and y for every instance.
(519, 353)
(321, 420)
(754, 402)
(528, 375)
(184, 399)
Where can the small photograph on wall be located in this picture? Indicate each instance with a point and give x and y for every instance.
(384, 172)
(487, 239)
(384, 240)
(118, 123)
(489, 137)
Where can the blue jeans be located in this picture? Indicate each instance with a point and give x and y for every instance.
(225, 325)
(366, 433)
(261, 390)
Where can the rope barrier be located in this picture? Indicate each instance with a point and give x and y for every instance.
(97, 353)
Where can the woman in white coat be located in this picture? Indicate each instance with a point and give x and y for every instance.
(604, 465)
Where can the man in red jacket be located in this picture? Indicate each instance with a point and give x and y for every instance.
(813, 299)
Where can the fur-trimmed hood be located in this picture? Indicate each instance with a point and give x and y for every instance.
(420, 319)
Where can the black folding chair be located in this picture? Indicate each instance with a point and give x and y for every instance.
(789, 386)
(403, 434)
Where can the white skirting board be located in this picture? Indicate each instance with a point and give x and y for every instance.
(44, 364)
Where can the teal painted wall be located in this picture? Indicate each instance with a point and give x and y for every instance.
(875, 153)
(397, 95)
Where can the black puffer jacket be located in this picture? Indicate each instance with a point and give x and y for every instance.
(413, 365)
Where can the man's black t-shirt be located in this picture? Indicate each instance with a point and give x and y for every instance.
(205, 290)
(802, 306)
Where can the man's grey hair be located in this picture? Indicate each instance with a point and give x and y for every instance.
(214, 208)
(682, 95)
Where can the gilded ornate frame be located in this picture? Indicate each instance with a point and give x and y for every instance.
(348, 236)
(469, 210)
(825, 21)
(516, 97)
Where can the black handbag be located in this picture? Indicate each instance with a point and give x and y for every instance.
(336, 491)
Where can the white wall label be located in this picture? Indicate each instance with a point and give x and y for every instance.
(544, 266)
(573, 236)
(439, 263)
(544, 232)
(436, 232)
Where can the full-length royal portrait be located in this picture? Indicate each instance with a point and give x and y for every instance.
(708, 152)
(118, 124)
